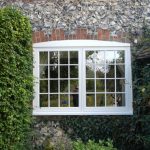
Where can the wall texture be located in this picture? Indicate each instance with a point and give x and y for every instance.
(116, 17)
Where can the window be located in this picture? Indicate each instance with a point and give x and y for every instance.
(82, 77)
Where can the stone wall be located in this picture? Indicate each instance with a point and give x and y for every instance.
(113, 15)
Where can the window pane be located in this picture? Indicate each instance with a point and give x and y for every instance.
(90, 62)
(99, 58)
(43, 71)
(63, 71)
(53, 71)
(120, 71)
(100, 99)
(120, 57)
(120, 85)
(63, 57)
(64, 100)
(53, 100)
(53, 58)
(74, 86)
(73, 71)
(100, 85)
(120, 99)
(110, 99)
(53, 86)
(43, 100)
(110, 85)
(89, 72)
(73, 57)
(43, 86)
(111, 72)
(43, 57)
(90, 100)
(63, 85)
(90, 85)
(100, 71)
(74, 100)
(110, 57)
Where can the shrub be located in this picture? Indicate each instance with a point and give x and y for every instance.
(91, 145)
(16, 81)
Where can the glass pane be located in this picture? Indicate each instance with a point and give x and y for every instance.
(53, 86)
(63, 71)
(63, 85)
(90, 85)
(43, 57)
(120, 71)
(53, 71)
(43, 71)
(110, 85)
(90, 100)
(53, 100)
(73, 71)
(43, 100)
(74, 100)
(120, 99)
(120, 85)
(73, 85)
(99, 57)
(111, 72)
(89, 72)
(100, 73)
(110, 57)
(90, 60)
(110, 99)
(53, 58)
(120, 57)
(73, 57)
(43, 86)
(64, 100)
(100, 99)
(100, 85)
(63, 57)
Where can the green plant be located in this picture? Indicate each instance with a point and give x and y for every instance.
(91, 145)
(16, 80)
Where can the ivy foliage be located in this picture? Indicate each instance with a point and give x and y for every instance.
(127, 132)
(16, 80)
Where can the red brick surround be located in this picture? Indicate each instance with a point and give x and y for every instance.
(80, 33)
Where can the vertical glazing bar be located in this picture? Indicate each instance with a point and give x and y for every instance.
(105, 75)
(95, 76)
(58, 52)
(48, 79)
(115, 78)
(68, 79)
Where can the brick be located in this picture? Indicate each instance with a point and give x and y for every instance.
(103, 34)
(81, 33)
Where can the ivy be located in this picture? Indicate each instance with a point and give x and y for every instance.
(16, 80)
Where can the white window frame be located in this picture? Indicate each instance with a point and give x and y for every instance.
(82, 46)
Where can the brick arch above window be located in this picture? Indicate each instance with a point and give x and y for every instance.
(79, 34)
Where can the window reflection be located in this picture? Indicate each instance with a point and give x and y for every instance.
(53, 58)
(63, 57)
(90, 100)
(43, 100)
(54, 100)
(120, 56)
(43, 57)
(120, 71)
(100, 100)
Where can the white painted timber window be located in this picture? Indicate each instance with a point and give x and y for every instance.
(82, 77)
